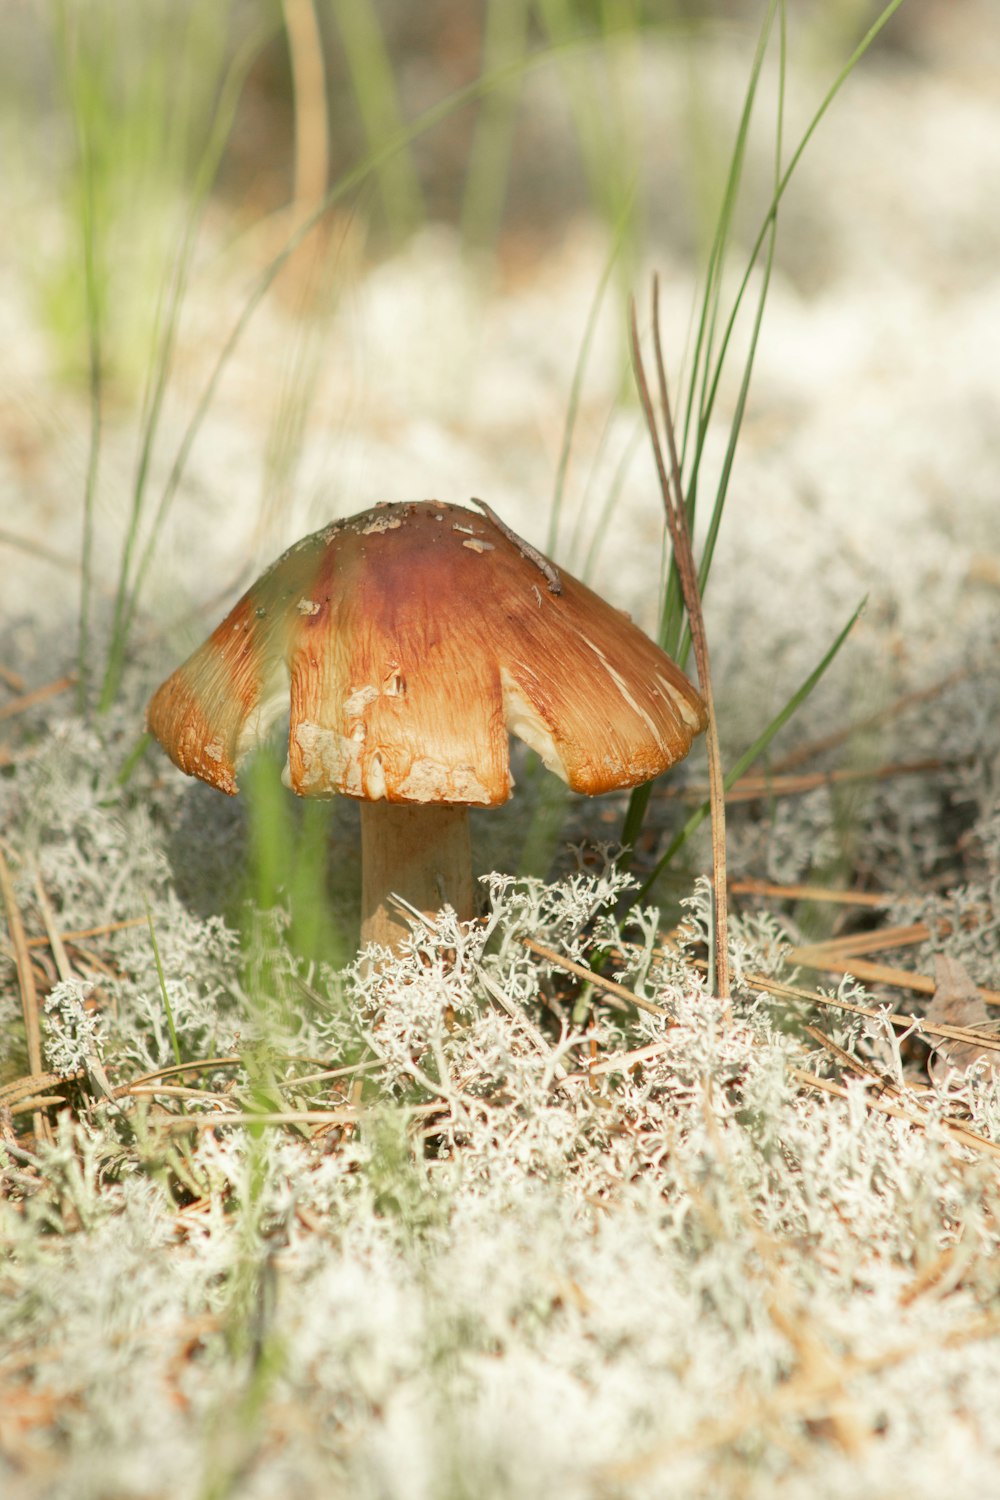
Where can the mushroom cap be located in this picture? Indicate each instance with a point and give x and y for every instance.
(404, 644)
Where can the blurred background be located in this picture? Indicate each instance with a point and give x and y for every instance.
(264, 264)
(498, 178)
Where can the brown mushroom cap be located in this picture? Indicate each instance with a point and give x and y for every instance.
(405, 643)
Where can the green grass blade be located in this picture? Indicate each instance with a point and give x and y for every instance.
(779, 192)
(597, 101)
(579, 371)
(704, 337)
(68, 52)
(695, 420)
(709, 381)
(347, 184)
(750, 755)
(705, 379)
(165, 336)
(610, 501)
(635, 816)
(505, 39)
(96, 402)
(736, 425)
(375, 92)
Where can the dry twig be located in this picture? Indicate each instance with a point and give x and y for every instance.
(672, 491)
(37, 695)
(611, 987)
(809, 893)
(26, 983)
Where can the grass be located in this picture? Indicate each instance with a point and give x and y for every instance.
(525, 1211)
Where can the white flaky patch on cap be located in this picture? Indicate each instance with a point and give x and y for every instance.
(435, 781)
(330, 763)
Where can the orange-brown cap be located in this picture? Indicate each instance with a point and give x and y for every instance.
(405, 643)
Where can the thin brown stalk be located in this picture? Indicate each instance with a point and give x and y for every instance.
(26, 983)
(672, 492)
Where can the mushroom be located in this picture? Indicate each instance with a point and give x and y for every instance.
(404, 644)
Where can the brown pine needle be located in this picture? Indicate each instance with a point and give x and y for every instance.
(63, 966)
(36, 1103)
(861, 944)
(770, 786)
(25, 979)
(959, 1133)
(871, 973)
(86, 932)
(610, 986)
(809, 893)
(24, 1088)
(221, 1119)
(985, 1039)
(846, 1060)
(885, 1084)
(37, 695)
(620, 1062)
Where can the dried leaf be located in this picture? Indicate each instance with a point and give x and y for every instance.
(956, 1002)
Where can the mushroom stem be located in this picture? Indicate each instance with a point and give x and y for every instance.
(418, 851)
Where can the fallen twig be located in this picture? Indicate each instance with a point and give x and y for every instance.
(810, 893)
(611, 987)
(871, 973)
(37, 695)
(960, 1133)
(26, 984)
(902, 1023)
